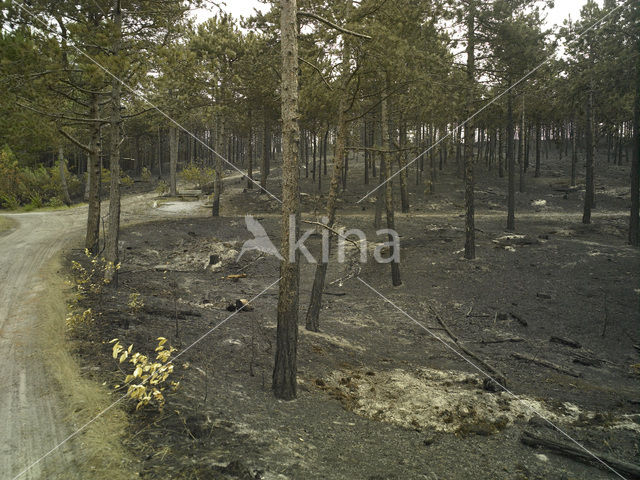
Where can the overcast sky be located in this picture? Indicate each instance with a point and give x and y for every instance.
(562, 9)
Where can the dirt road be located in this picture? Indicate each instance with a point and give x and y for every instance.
(34, 408)
(31, 407)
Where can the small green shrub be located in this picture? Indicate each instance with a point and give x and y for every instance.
(126, 180)
(162, 187)
(55, 202)
(9, 201)
(198, 175)
(146, 174)
(33, 187)
(36, 200)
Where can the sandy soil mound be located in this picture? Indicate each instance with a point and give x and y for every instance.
(446, 401)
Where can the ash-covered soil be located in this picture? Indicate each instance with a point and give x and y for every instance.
(384, 394)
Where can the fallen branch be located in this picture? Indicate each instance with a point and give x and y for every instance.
(519, 319)
(503, 340)
(576, 453)
(170, 312)
(488, 384)
(588, 360)
(335, 232)
(546, 363)
(565, 341)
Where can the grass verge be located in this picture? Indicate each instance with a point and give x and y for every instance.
(100, 443)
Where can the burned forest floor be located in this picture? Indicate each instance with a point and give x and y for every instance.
(384, 391)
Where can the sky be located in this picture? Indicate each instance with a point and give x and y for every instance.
(562, 9)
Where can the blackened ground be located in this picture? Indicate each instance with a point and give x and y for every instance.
(569, 280)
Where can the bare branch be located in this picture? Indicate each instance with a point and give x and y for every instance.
(317, 70)
(75, 141)
(333, 25)
(142, 112)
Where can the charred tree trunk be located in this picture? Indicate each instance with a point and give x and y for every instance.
(217, 182)
(511, 166)
(402, 162)
(538, 135)
(250, 155)
(521, 147)
(634, 220)
(500, 150)
(588, 137)
(326, 142)
(284, 370)
(388, 187)
(266, 150)
(313, 313)
(574, 153)
(173, 160)
(315, 151)
(92, 239)
(469, 224)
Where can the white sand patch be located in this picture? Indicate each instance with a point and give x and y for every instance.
(179, 207)
(444, 401)
(339, 341)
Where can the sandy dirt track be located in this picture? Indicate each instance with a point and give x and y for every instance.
(32, 404)
(34, 411)
(31, 408)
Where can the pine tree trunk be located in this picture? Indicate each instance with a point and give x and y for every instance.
(315, 151)
(266, 151)
(87, 183)
(173, 160)
(92, 239)
(574, 153)
(62, 164)
(113, 233)
(538, 152)
(511, 166)
(159, 153)
(250, 155)
(305, 139)
(367, 152)
(634, 219)
(395, 267)
(217, 182)
(500, 150)
(521, 147)
(313, 312)
(380, 195)
(284, 371)
(402, 161)
(326, 140)
(588, 137)
(469, 224)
